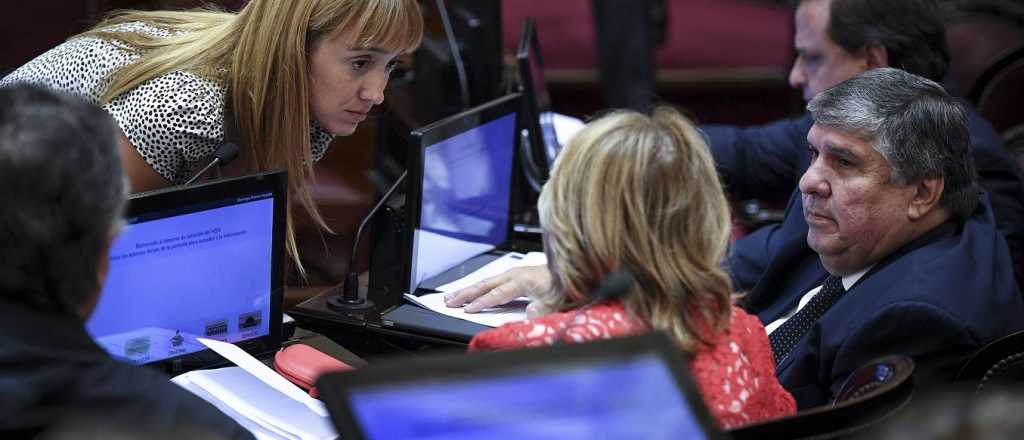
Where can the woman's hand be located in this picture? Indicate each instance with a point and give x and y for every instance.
(498, 290)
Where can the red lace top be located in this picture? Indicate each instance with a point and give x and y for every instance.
(736, 375)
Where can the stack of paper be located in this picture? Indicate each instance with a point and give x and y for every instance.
(258, 398)
(492, 317)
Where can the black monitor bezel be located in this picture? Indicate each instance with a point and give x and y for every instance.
(336, 388)
(161, 201)
(431, 134)
(529, 49)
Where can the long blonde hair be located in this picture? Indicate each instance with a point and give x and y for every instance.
(261, 54)
(641, 192)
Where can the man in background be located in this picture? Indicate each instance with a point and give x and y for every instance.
(834, 41)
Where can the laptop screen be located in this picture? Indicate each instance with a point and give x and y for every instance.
(605, 391)
(461, 187)
(193, 262)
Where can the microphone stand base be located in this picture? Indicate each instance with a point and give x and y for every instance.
(339, 303)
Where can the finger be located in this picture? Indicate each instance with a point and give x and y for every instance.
(463, 296)
(497, 296)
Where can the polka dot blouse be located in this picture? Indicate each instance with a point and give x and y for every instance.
(175, 121)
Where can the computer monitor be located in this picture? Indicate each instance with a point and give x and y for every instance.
(541, 144)
(459, 197)
(636, 387)
(197, 261)
(477, 38)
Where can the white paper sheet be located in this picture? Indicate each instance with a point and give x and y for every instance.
(492, 317)
(259, 429)
(257, 406)
(262, 372)
(496, 267)
(258, 398)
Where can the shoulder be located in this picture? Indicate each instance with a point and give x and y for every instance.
(150, 402)
(972, 259)
(174, 120)
(601, 321)
(737, 375)
(82, 66)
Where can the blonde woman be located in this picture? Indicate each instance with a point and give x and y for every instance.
(641, 192)
(279, 78)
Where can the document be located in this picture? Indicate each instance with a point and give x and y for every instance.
(492, 317)
(496, 267)
(262, 372)
(258, 398)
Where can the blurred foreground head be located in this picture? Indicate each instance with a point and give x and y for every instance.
(63, 192)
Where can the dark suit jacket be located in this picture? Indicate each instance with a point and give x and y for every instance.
(766, 162)
(938, 300)
(53, 376)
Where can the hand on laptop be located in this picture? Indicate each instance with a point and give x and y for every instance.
(498, 290)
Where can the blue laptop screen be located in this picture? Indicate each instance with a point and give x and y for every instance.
(198, 271)
(466, 193)
(635, 398)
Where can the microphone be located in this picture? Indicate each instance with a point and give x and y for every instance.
(615, 285)
(349, 298)
(224, 155)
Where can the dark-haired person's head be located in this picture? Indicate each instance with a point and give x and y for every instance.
(891, 160)
(63, 192)
(838, 39)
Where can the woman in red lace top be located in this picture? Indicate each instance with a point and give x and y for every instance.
(641, 192)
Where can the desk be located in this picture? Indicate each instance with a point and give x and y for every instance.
(362, 331)
(325, 345)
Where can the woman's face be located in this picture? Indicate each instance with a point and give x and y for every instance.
(345, 81)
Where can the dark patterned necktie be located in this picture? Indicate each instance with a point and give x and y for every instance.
(784, 338)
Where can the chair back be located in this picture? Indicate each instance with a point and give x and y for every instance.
(870, 394)
(998, 362)
(977, 33)
(998, 90)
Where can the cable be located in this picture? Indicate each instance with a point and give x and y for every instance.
(460, 68)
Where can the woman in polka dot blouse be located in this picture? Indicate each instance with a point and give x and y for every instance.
(642, 192)
(279, 78)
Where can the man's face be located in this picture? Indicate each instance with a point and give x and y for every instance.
(856, 215)
(820, 62)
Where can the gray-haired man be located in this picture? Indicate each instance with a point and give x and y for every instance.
(888, 248)
(61, 196)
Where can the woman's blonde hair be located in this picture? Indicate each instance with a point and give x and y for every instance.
(260, 54)
(640, 192)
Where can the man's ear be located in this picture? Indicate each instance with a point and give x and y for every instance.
(102, 267)
(876, 56)
(927, 194)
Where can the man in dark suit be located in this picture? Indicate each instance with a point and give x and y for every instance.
(960, 270)
(835, 40)
(63, 192)
(888, 248)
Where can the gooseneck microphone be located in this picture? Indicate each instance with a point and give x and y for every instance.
(349, 298)
(615, 285)
(224, 155)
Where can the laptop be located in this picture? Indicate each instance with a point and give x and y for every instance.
(196, 261)
(541, 144)
(636, 387)
(458, 207)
